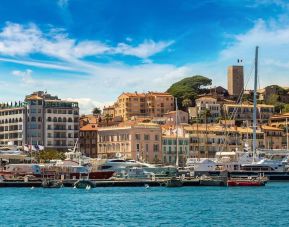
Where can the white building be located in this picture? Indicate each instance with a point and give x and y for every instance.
(41, 120)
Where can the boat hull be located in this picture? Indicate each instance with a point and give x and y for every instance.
(233, 183)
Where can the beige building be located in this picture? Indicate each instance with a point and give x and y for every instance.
(141, 141)
(235, 80)
(279, 120)
(206, 103)
(273, 137)
(151, 104)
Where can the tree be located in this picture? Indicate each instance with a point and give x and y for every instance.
(189, 88)
(50, 154)
(186, 103)
(96, 111)
(285, 108)
(107, 118)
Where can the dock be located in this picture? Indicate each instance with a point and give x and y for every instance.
(115, 183)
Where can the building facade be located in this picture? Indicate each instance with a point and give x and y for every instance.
(141, 141)
(235, 80)
(12, 124)
(151, 104)
(244, 112)
(88, 140)
(45, 120)
(170, 150)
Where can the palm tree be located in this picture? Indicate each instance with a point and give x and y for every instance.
(108, 118)
(206, 114)
(186, 103)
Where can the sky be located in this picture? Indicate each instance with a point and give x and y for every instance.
(91, 51)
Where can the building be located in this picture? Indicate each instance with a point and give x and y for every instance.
(273, 137)
(207, 140)
(279, 120)
(88, 140)
(235, 80)
(169, 149)
(44, 120)
(183, 117)
(151, 104)
(244, 112)
(206, 105)
(138, 141)
(13, 123)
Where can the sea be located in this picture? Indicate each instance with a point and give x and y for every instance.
(141, 206)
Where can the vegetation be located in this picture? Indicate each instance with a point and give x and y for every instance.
(49, 154)
(96, 111)
(285, 108)
(188, 89)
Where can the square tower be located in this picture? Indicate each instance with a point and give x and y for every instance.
(235, 80)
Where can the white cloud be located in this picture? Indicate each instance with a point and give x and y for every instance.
(21, 40)
(143, 50)
(26, 76)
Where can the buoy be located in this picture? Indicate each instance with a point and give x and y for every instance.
(32, 187)
(147, 186)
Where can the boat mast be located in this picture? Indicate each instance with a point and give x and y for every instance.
(177, 136)
(287, 135)
(255, 105)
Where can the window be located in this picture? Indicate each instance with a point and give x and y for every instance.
(137, 137)
(157, 138)
(146, 137)
(156, 148)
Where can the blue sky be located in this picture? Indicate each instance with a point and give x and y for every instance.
(92, 50)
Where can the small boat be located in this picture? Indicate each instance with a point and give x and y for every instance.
(84, 184)
(51, 184)
(212, 181)
(174, 182)
(247, 181)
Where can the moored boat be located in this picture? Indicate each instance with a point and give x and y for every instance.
(248, 181)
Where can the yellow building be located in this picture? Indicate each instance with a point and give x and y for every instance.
(205, 141)
(150, 104)
(244, 112)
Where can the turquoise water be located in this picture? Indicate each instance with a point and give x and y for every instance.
(160, 206)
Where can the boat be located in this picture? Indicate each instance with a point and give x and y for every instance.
(84, 184)
(51, 183)
(247, 181)
(174, 182)
(212, 181)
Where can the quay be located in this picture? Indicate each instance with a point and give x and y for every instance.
(111, 183)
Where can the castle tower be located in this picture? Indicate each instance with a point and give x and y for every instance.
(235, 80)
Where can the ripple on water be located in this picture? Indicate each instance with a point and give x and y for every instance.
(187, 206)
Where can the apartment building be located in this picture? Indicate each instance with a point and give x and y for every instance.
(88, 140)
(244, 112)
(42, 119)
(205, 141)
(12, 123)
(203, 104)
(151, 104)
(140, 141)
(279, 120)
(170, 148)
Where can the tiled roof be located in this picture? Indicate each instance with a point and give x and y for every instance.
(89, 127)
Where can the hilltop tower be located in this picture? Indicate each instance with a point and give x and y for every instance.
(235, 80)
